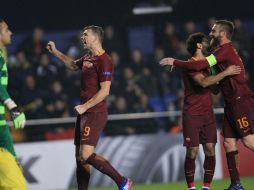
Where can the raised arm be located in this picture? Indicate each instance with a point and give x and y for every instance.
(68, 61)
(210, 80)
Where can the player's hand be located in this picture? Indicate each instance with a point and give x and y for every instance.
(80, 109)
(51, 47)
(18, 117)
(167, 61)
(233, 70)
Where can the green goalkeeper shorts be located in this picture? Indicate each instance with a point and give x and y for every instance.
(6, 139)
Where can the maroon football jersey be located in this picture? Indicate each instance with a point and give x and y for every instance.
(235, 86)
(197, 100)
(95, 69)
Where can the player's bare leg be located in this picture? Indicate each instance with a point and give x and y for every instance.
(248, 142)
(189, 166)
(209, 164)
(87, 156)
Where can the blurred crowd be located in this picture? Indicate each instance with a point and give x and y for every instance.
(45, 89)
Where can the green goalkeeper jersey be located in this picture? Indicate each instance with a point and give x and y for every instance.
(3, 84)
(5, 135)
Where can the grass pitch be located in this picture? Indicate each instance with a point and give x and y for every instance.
(247, 182)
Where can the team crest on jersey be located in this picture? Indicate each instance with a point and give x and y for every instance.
(188, 139)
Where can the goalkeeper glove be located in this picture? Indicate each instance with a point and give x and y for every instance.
(19, 118)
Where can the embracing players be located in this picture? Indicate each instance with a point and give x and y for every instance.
(239, 103)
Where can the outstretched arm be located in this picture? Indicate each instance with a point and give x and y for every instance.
(210, 80)
(68, 62)
(196, 65)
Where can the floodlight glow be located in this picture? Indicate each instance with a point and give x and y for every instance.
(152, 10)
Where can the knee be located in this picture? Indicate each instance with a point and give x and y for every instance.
(84, 153)
(249, 144)
(192, 152)
(229, 146)
(210, 150)
(84, 157)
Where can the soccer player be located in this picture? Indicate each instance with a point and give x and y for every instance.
(9, 178)
(198, 118)
(97, 71)
(239, 103)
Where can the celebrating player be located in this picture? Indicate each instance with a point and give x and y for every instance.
(97, 71)
(239, 103)
(198, 119)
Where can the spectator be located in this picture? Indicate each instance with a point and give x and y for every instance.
(56, 101)
(136, 61)
(112, 41)
(34, 45)
(46, 72)
(169, 39)
(32, 103)
(148, 82)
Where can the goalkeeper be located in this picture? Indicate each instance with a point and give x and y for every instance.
(7, 181)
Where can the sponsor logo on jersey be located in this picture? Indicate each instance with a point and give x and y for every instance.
(106, 73)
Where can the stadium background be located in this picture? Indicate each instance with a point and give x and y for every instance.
(45, 90)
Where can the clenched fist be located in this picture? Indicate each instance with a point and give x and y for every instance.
(51, 47)
(80, 109)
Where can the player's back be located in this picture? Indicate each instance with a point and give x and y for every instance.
(232, 86)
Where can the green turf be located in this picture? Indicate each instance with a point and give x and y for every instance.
(248, 183)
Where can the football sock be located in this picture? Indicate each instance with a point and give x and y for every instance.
(191, 186)
(209, 167)
(189, 170)
(233, 166)
(206, 185)
(83, 175)
(105, 167)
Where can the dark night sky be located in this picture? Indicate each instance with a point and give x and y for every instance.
(23, 15)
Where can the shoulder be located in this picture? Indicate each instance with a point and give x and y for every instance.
(190, 72)
(224, 48)
(105, 59)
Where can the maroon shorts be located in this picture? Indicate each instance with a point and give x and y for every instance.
(238, 118)
(89, 127)
(199, 129)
